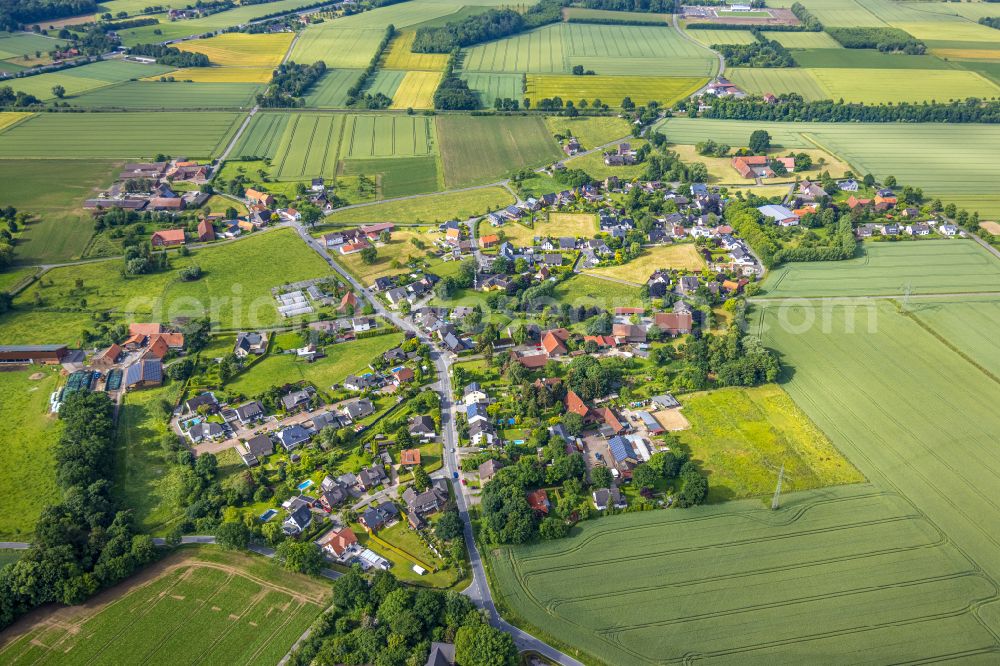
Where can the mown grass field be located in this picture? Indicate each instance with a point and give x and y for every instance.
(606, 49)
(922, 267)
(196, 602)
(841, 58)
(340, 360)
(119, 136)
(432, 208)
(416, 90)
(611, 89)
(234, 291)
(170, 95)
(26, 462)
(681, 256)
(399, 250)
(583, 225)
(710, 37)
(399, 55)
(17, 44)
(742, 437)
(237, 49)
(594, 165)
(920, 155)
(478, 150)
(222, 74)
(834, 572)
(308, 147)
(587, 291)
(590, 131)
(54, 191)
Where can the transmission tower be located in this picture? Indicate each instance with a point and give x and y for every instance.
(776, 501)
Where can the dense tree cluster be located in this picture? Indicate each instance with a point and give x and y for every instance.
(809, 21)
(889, 40)
(289, 82)
(11, 99)
(761, 234)
(378, 621)
(84, 542)
(734, 359)
(792, 107)
(453, 93)
(171, 56)
(493, 24)
(991, 21)
(763, 52)
(17, 13)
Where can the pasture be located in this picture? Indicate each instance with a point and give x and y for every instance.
(119, 136)
(611, 89)
(742, 437)
(234, 292)
(341, 360)
(923, 267)
(920, 155)
(367, 136)
(19, 44)
(54, 190)
(590, 131)
(309, 146)
(26, 463)
(399, 55)
(196, 602)
(238, 49)
(681, 256)
(416, 90)
(330, 92)
(431, 208)
(338, 47)
(834, 572)
(481, 149)
(607, 49)
(221, 74)
(176, 95)
(493, 86)
(397, 176)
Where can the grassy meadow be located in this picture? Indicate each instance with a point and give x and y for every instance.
(198, 601)
(587, 290)
(590, 131)
(478, 150)
(430, 208)
(392, 256)
(682, 256)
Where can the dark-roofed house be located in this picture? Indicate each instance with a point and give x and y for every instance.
(442, 654)
(257, 448)
(622, 451)
(608, 497)
(332, 494)
(298, 520)
(488, 469)
(250, 343)
(664, 401)
(296, 400)
(422, 426)
(144, 372)
(375, 518)
(371, 477)
(205, 430)
(250, 412)
(206, 399)
(359, 409)
(293, 436)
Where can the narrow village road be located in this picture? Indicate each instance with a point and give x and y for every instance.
(722, 59)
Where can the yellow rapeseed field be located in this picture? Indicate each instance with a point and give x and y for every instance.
(399, 55)
(416, 91)
(237, 49)
(8, 118)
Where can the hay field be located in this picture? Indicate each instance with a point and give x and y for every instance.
(992, 227)
(611, 89)
(120, 136)
(482, 149)
(196, 602)
(575, 225)
(399, 55)
(967, 54)
(220, 74)
(368, 136)
(607, 49)
(431, 208)
(682, 256)
(416, 90)
(720, 169)
(924, 267)
(237, 49)
(338, 47)
(779, 81)
(309, 147)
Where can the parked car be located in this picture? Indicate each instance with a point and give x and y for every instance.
(454, 475)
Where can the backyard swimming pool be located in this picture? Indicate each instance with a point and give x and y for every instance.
(305, 484)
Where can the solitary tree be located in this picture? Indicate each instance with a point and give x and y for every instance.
(58, 91)
(369, 255)
(760, 142)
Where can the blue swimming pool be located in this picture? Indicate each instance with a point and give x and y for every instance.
(305, 484)
(268, 515)
(519, 441)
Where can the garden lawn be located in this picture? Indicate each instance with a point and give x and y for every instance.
(430, 208)
(27, 458)
(482, 149)
(681, 256)
(398, 250)
(341, 360)
(742, 436)
(595, 167)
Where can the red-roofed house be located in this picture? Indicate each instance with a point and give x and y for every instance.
(403, 375)
(106, 358)
(608, 418)
(629, 332)
(552, 345)
(533, 361)
(674, 323)
(758, 166)
(144, 329)
(575, 404)
(351, 248)
(206, 232)
(628, 311)
(260, 198)
(338, 542)
(157, 348)
(601, 340)
(349, 299)
(489, 241)
(167, 237)
(538, 500)
(853, 202)
(409, 457)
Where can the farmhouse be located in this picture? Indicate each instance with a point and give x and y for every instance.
(781, 215)
(674, 323)
(250, 343)
(206, 232)
(538, 500)
(259, 198)
(167, 238)
(759, 166)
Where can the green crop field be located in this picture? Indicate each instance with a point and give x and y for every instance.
(398, 176)
(606, 49)
(87, 77)
(197, 602)
(331, 91)
(18, 44)
(367, 136)
(709, 37)
(611, 90)
(262, 137)
(54, 190)
(337, 46)
(742, 437)
(432, 208)
(175, 95)
(386, 81)
(839, 12)
(881, 86)
(119, 135)
(26, 462)
(778, 81)
(481, 149)
(921, 155)
(406, 14)
(571, 13)
(492, 86)
(968, 325)
(922, 267)
(235, 291)
(863, 59)
(340, 360)
(309, 146)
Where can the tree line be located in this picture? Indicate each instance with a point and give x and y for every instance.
(791, 107)
(85, 541)
(991, 21)
(490, 25)
(15, 14)
(652, 6)
(454, 93)
(171, 56)
(354, 93)
(289, 82)
(887, 40)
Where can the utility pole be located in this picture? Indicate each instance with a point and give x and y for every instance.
(776, 501)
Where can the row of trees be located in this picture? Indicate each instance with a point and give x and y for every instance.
(889, 40)
(355, 92)
(171, 56)
(84, 542)
(791, 107)
(493, 24)
(289, 82)
(453, 93)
